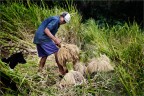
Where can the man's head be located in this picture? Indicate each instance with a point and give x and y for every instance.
(65, 18)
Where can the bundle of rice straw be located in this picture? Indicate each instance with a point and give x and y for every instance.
(80, 67)
(72, 78)
(101, 64)
(68, 53)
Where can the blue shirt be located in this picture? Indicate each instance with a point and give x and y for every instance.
(52, 23)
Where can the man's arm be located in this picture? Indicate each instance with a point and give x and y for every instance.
(49, 34)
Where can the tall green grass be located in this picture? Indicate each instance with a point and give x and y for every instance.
(20, 20)
(123, 43)
(13, 77)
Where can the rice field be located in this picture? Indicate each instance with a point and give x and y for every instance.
(122, 43)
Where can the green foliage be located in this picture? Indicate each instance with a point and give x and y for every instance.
(20, 81)
(124, 45)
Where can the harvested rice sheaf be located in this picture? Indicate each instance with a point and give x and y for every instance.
(80, 67)
(101, 64)
(68, 53)
(72, 78)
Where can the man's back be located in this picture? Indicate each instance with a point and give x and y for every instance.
(52, 23)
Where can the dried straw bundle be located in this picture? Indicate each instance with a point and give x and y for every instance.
(72, 78)
(101, 64)
(80, 67)
(68, 53)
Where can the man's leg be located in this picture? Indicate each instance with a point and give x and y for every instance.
(42, 63)
(61, 69)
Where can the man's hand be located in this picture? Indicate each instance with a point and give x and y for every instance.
(57, 41)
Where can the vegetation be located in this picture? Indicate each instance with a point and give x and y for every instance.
(123, 43)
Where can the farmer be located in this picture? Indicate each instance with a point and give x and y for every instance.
(45, 39)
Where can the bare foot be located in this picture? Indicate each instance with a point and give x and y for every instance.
(62, 72)
(40, 70)
(66, 71)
